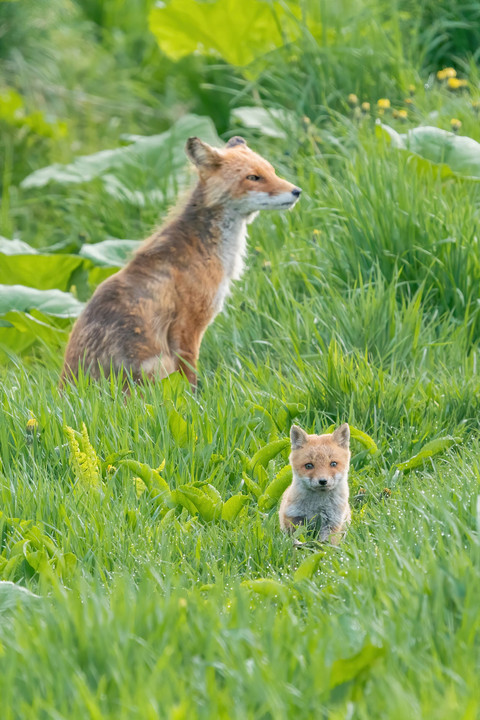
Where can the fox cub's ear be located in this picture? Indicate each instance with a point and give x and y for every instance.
(298, 437)
(237, 140)
(201, 154)
(342, 436)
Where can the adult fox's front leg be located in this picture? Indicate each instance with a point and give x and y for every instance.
(186, 347)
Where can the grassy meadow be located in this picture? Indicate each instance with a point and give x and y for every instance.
(143, 572)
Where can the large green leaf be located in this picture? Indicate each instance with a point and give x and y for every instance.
(21, 264)
(428, 451)
(453, 154)
(15, 247)
(197, 500)
(275, 489)
(50, 302)
(13, 595)
(20, 330)
(238, 32)
(270, 122)
(150, 164)
(156, 484)
(350, 668)
(263, 456)
(233, 505)
(308, 567)
(270, 588)
(28, 315)
(178, 426)
(110, 253)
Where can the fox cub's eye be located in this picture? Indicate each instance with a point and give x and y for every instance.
(255, 178)
(309, 466)
(333, 464)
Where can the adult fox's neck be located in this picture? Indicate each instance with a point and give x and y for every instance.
(213, 218)
(212, 229)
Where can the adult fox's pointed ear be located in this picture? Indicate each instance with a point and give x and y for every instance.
(342, 436)
(298, 437)
(201, 154)
(237, 140)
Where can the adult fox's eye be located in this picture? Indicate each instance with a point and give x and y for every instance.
(309, 466)
(255, 178)
(333, 464)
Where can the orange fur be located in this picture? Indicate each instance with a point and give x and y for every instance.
(319, 490)
(150, 317)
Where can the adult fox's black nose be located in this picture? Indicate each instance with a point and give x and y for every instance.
(322, 482)
(296, 191)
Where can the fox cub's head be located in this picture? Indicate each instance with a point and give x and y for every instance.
(238, 177)
(320, 462)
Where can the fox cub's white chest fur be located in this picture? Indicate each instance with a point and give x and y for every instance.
(319, 490)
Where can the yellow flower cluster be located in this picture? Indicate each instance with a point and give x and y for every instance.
(383, 105)
(456, 83)
(446, 73)
(450, 75)
(358, 109)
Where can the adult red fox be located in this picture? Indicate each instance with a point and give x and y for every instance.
(150, 317)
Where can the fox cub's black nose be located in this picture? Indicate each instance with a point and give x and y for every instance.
(296, 192)
(322, 482)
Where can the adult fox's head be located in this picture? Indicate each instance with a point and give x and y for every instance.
(239, 178)
(320, 462)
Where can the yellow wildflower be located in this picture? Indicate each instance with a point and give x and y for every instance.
(455, 83)
(402, 115)
(411, 89)
(32, 426)
(408, 101)
(446, 73)
(365, 107)
(383, 103)
(352, 99)
(455, 124)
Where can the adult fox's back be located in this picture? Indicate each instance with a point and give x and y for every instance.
(150, 317)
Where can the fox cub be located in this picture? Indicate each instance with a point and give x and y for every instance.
(150, 317)
(319, 490)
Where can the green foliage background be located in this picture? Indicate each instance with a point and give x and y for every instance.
(142, 571)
